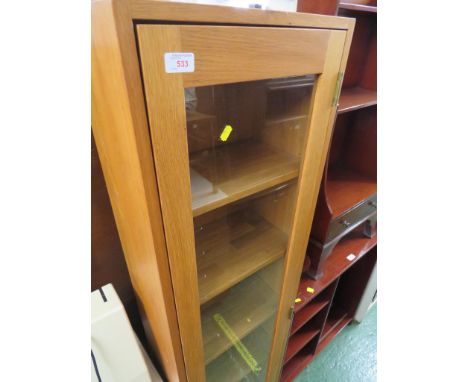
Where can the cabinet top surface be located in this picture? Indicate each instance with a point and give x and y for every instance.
(177, 11)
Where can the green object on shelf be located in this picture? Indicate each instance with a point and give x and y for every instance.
(350, 357)
(238, 345)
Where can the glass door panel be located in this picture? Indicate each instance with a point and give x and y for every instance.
(245, 143)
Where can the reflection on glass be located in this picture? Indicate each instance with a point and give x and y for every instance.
(245, 145)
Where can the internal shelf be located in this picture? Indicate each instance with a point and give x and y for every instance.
(335, 316)
(247, 306)
(295, 366)
(282, 118)
(306, 313)
(299, 340)
(325, 340)
(336, 264)
(297, 363)
(232, 172)
(231, 249)
(346, 188)
(304, 357)
(360, 6)
(356, 98)
(230, 366)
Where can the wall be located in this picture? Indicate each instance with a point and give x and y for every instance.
(278, 5)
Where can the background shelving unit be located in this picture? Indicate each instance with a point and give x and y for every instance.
(348, 193)
(342, 249)
(333, 302)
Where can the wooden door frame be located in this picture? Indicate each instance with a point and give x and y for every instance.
(166, 112)
(122, 138)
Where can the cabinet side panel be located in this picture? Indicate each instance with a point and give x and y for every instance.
(123, 143)
(166, 112)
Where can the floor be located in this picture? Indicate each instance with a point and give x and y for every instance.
(337, 363)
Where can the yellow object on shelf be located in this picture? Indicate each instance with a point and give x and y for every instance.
(240, 347)
(226, 133)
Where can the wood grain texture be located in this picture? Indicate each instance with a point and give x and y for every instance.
(176, 11)
(166, 112)
(235, 54)
(121, 134)
(321, 122)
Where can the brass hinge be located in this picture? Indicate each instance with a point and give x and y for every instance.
(336, 96)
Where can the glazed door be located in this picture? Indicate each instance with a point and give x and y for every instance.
(239, 120)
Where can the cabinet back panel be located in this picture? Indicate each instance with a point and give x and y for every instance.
(360, 153)
(353, 282)
(365, 29)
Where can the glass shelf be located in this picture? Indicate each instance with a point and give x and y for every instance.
(231, 366)
(243, 310)
(233, 248)
(233, 172)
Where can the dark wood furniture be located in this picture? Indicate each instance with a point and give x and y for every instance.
(348, 193)
(342, 246)
(107, 257)
(324, 307)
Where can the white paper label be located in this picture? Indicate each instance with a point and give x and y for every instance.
(179, 62)
(351, 256)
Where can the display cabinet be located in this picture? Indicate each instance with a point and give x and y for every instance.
(213, 125)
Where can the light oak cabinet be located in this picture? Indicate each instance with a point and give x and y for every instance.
(212, 125)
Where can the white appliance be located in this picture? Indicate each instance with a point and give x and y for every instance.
(116, 352)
